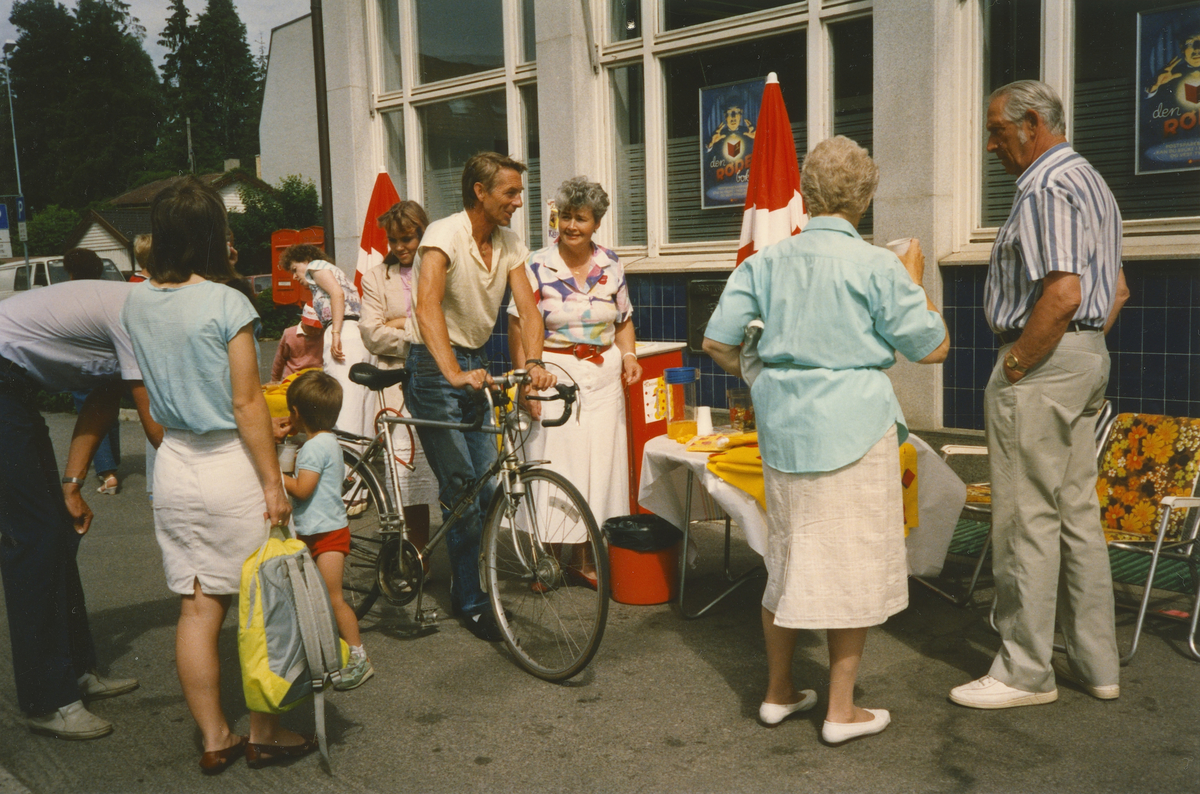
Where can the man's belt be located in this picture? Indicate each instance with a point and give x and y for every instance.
(592, 353)
(1009, 337)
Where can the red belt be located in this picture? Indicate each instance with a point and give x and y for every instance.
(591, 353)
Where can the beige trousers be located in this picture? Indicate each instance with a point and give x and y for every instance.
(1049, 551)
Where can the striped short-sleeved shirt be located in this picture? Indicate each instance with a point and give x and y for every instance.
(1064, 218)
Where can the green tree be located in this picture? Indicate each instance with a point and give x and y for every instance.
(292, 204)
(48, 229)
(213, 80)
(88, 100)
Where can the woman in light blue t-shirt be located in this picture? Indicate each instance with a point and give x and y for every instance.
(216, 477)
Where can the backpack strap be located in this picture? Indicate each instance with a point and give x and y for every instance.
(318, 629)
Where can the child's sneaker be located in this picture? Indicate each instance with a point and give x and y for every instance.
(355, 674)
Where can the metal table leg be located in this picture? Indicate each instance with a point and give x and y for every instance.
(737, 582)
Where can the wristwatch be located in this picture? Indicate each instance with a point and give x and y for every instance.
(1012, 362)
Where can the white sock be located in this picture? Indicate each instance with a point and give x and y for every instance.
(358, 651)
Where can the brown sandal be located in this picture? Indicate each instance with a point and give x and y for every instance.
(214, 762)
(260, 755)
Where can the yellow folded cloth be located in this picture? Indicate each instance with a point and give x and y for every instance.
(741, 467)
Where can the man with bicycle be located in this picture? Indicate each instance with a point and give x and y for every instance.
(466, 261)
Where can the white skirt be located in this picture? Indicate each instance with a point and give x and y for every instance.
(592, 448)
(358, 403)
(208, 510)
(418, 486)
(835, 547)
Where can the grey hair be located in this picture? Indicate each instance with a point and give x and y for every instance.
(578, 192)
(838, 176)
(1026, 95)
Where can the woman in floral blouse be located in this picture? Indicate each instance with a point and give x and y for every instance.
(581, 291)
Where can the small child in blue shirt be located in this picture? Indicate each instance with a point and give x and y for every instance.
(314, 400)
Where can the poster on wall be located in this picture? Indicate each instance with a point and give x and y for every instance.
(728, 117)
(1168, 74)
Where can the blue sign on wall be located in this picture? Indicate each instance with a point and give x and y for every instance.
(1168, 104)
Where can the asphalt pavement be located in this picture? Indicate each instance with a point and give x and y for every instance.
(667, 705)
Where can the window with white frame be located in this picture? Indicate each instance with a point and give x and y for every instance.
(1100, 90)
(659, 54)
(452, 78)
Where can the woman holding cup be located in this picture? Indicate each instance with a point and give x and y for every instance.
(835, 311)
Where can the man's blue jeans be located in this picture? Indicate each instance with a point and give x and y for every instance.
(457, 459)
(47, 617)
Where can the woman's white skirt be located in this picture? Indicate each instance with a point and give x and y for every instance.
(592, 448)
(835, 548)
(418, 486)
(208, 510)
(358, 403)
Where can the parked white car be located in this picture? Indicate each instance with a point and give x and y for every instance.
(41, 272)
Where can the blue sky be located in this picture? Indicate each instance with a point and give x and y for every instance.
(259, 15)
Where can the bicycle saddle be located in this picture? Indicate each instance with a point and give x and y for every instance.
(377, 379)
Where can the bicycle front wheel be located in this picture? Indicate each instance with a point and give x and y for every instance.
(364, 500)
(546, 572)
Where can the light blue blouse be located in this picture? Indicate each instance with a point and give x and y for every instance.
(181, 338)
(324, 510)
(835, 309)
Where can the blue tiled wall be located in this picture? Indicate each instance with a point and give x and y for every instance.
(659, 315)
(1155, 343)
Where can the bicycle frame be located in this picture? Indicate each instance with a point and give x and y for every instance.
(507, 465)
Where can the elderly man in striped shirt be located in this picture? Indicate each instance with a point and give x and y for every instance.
(1053, 290)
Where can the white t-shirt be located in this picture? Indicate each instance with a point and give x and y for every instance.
(473, 292)
(69, 335)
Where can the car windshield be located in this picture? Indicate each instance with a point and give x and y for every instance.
(58, 273)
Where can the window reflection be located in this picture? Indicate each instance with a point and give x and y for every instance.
(393, 125)
(389, 44)
(853, 115)
(685, 13)
(458, 37)
(629, 128)
(451, 132)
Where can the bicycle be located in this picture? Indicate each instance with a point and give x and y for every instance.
(543, 560)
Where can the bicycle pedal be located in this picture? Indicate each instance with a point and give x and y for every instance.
(427, 617)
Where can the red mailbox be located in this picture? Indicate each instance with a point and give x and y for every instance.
(286, 290)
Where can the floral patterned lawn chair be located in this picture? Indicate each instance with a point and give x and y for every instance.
(1148, 487)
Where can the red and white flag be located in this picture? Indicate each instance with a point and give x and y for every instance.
(373, 246)
(774, 206)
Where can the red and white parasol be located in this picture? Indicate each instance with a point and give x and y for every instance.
(774, 206)
(373, 246)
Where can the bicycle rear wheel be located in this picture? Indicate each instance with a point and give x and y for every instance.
(546, 572)
(360, 584)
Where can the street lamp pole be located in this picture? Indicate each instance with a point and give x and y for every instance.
(9, 46)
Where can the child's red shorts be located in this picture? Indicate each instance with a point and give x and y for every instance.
(337, 540)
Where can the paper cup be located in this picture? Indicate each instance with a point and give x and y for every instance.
(900, 247)
(704, 426)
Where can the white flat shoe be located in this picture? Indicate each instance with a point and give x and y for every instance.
(838, 732)
(775, 713)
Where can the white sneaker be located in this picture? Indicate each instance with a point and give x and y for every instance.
(988, 693)
(96, 687)
(72, 721)
(1062, 670)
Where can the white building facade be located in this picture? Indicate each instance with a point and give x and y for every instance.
(610, 89)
